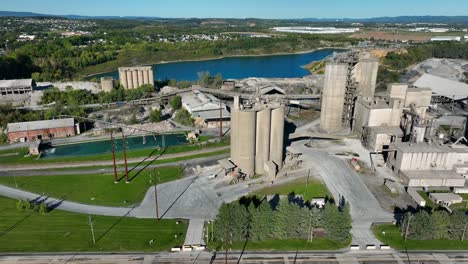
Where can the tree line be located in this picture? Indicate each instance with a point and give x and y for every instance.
(424, 225)
(258, 220)
(395, 63)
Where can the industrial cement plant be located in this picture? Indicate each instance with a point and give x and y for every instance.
(399, 127)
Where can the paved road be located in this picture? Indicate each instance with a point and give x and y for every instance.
(342, 181)
(45, 172)
(376, 257)
(65, 205)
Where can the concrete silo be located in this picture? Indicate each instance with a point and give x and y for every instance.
(277, 136)
(262, 144)
(134, 77)
(257, 136)
(235, 130)
(129, 80)
(333, 97)
(123, 78)
(365, 74)
(140, 78)
(246, 141)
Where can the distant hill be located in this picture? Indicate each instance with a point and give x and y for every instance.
(31, 14)
(398, 19)
(20, 14)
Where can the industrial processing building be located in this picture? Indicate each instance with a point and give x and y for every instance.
(205, 108)
(134, 77)
(400, 128)
(257, 132)
(19, 86)
(346, 78)
(43, 129)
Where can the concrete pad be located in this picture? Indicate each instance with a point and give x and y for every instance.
(195, 233)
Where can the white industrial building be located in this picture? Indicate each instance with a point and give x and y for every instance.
(446, 38)
(427, 164)
(446, 199)
(19, 86)
(443, 87)
(204, 107)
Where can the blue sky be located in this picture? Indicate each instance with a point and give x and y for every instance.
(241, 8)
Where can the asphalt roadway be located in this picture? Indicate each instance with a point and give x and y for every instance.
(242, 257)
(343, 182)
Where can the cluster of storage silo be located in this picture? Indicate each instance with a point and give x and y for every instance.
(257, 136)
(134, 77)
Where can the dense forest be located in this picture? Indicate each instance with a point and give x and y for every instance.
(437, 224)
(109, 44)
(258, 220)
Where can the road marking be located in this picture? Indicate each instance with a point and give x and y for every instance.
(286, 260)
(148, 259)
(346, 259)
(398, 259)
(442, 258)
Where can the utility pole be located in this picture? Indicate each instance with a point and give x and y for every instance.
(407, 227)
(113, 155)
(156, 194)
(220, 119)
(90, 222)
(125, 156)
(464, 231)
(310, 227)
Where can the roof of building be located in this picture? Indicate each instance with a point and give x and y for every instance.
(432, 174)
(226, 164)
(409, 147)
(272, 89)
(42, 124)
(197, 101)
(445, 196)
(443, 87)
(211, 114)
(18, 83)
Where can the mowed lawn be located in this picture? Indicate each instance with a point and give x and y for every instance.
(392, 237)
(286, 244)
(98, 189)
(58, 231)
(313, 189)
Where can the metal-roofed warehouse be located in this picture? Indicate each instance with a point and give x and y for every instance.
(443, 87)
(204, 106)
(19, 86)
(43, 129)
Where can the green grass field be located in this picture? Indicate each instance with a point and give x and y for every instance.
(289, 245)
(97, 189)
(16, 156)
(393, 238)
(59, 231)
(314, 189)
(158, 161)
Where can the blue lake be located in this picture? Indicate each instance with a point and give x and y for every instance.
(274, 66)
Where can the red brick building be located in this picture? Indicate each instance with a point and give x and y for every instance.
(44, 129)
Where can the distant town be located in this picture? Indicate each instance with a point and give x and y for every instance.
(232, 140)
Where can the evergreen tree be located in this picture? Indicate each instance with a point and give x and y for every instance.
(458, 225)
